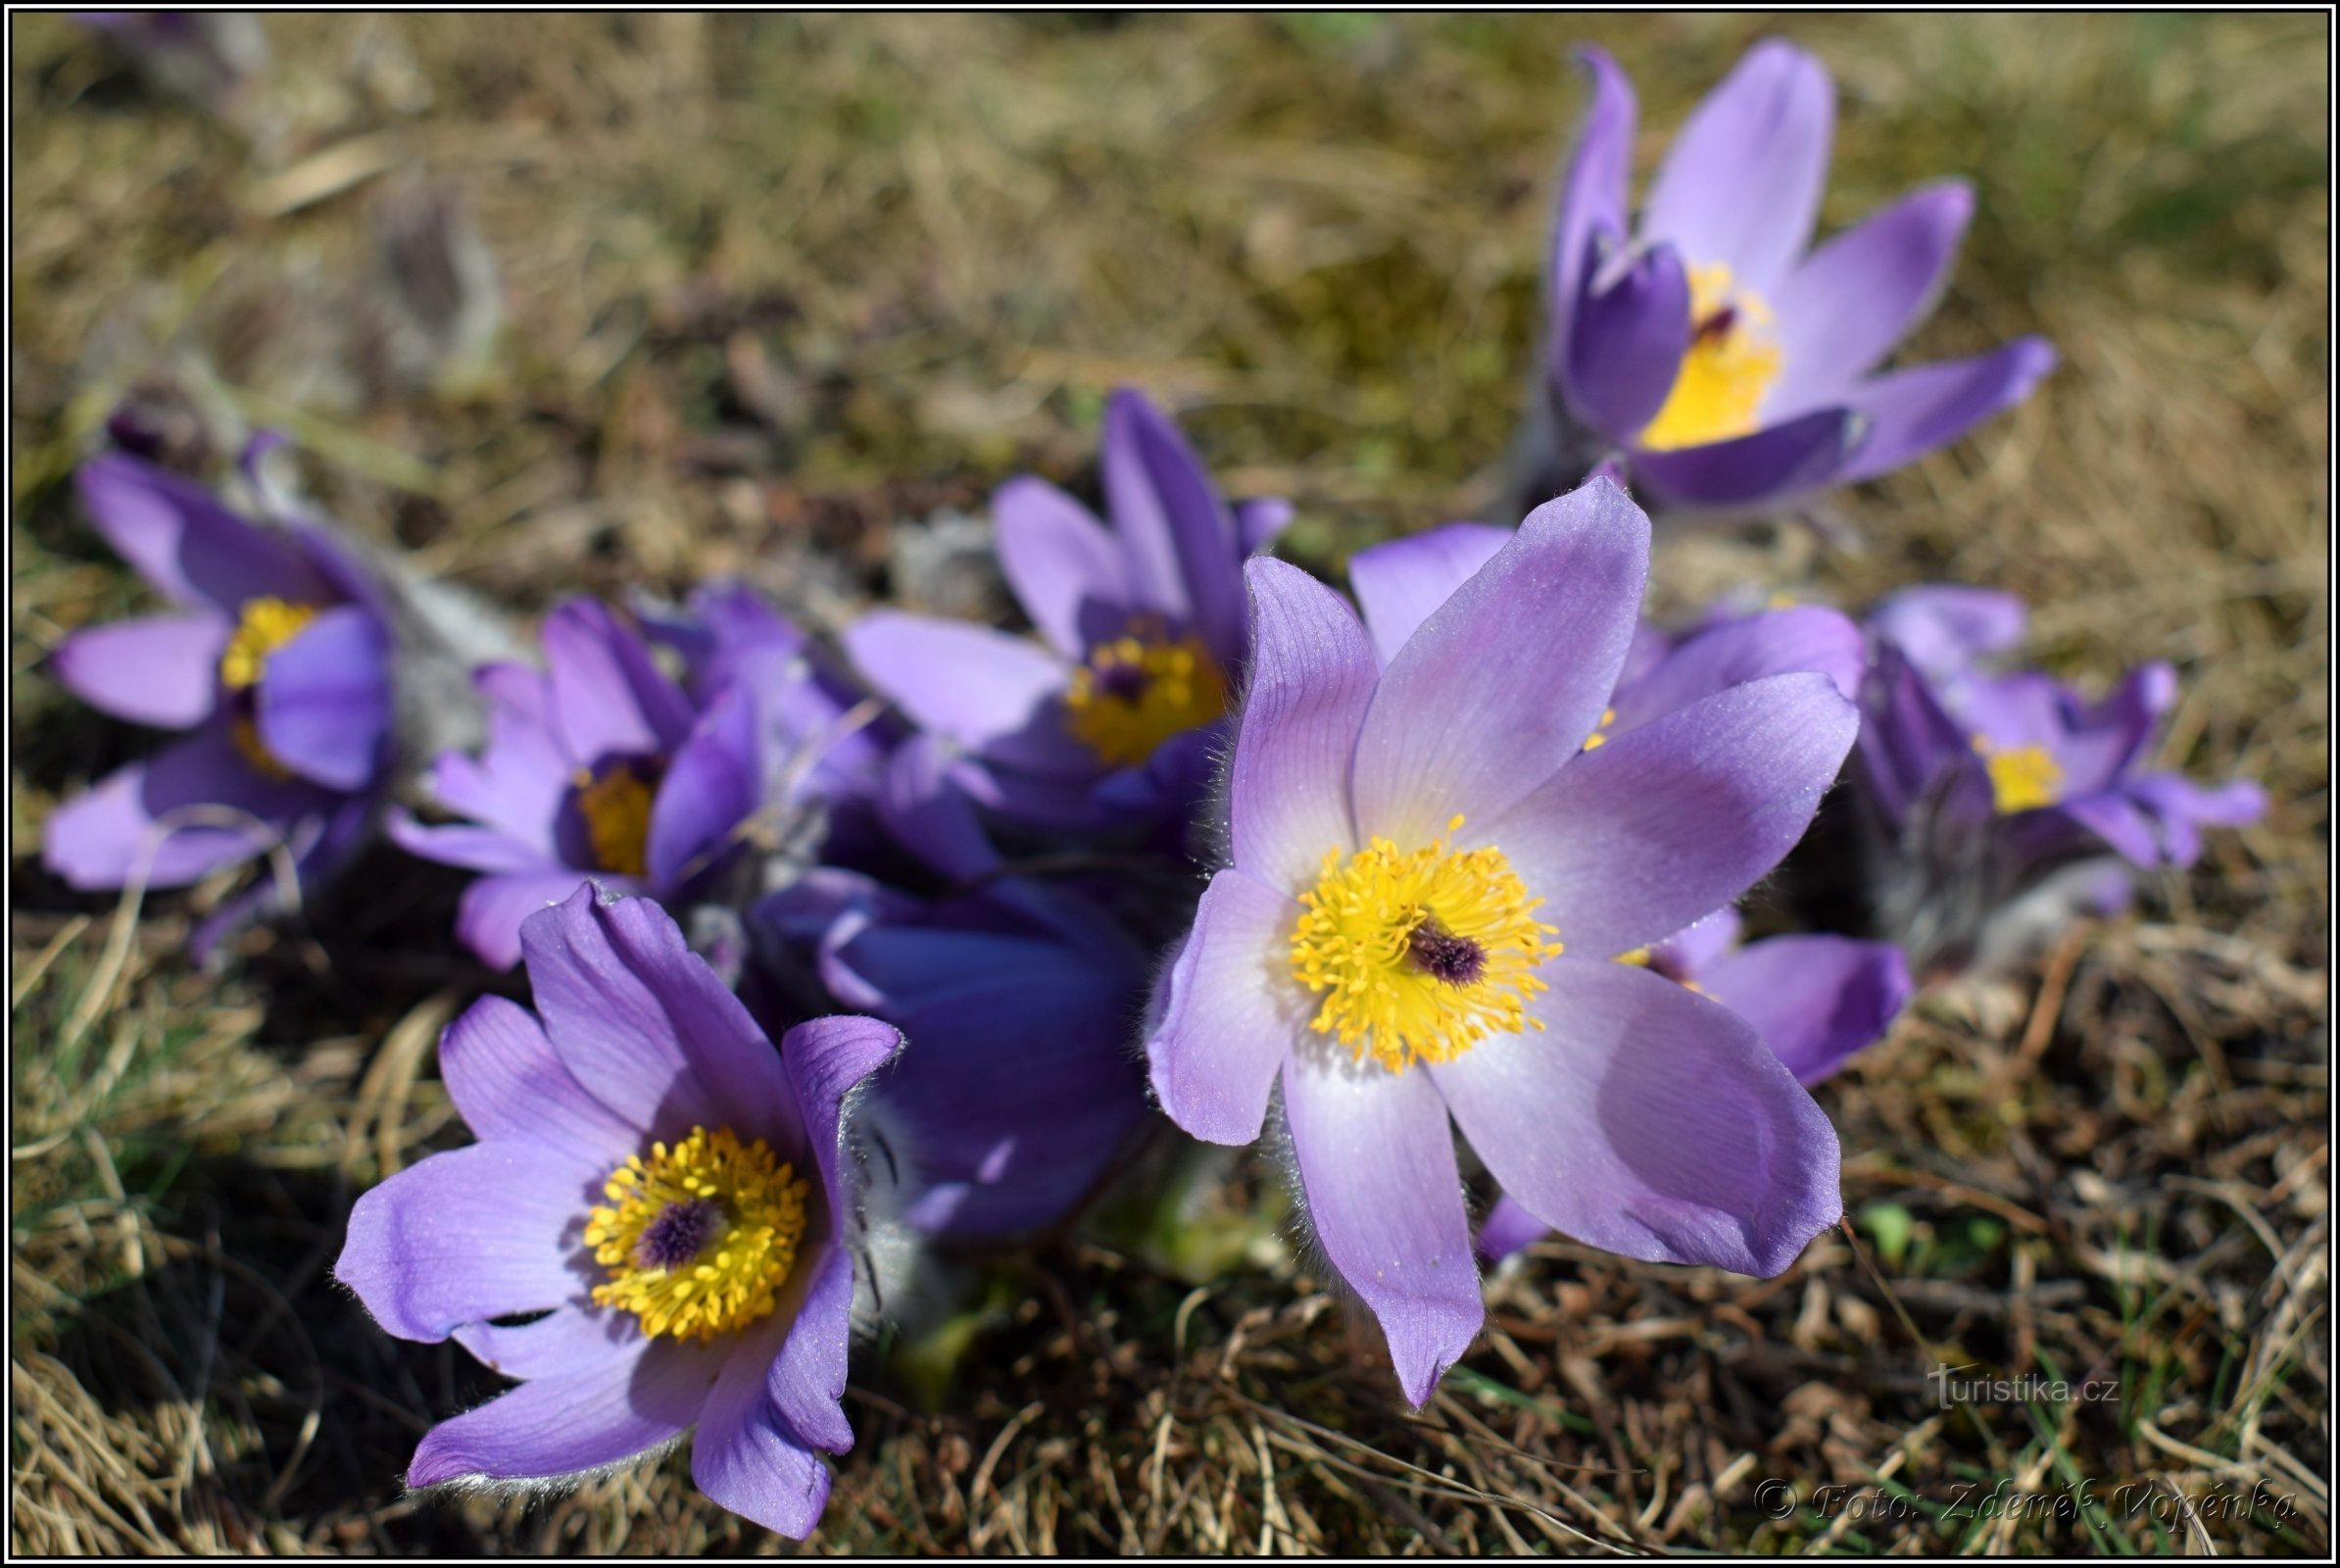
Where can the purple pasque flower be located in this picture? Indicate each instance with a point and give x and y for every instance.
(674, 1192)
(602, 766)
(277, 660)
(1432, 871)
(1110, 716)
(1815, 998)
(1983, 788)
(1734, 370)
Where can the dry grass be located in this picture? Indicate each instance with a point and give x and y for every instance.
(777, 287)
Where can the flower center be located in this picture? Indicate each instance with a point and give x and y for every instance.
(2023, 778)
(1139, 690)
(1732, 362)
(1419, 953)
(616, 805)
(265, 625)
(700, 1237)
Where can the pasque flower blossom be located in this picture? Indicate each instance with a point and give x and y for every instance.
(1142, 629)
(1983, 789)
(671, 1192)
(276, 658)
(602, 766)
(1734, 370)
(1433, 872)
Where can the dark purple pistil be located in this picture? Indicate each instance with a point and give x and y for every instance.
(1443, 955)
(1124, 683)
(1718, 324)
(677, 1235)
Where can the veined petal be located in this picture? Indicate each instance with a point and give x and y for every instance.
(1910, 413)
(1312, 682)
(1631, 842)
(747, 1456)
(492, 910)
(1800, 637)
(158, 669)
(511, 1087)
(1505, 679)
(1648, 1121)
(1385, 1200)
(828, 1060)
(1815, 998)
(1230, 1010)
(1850, 300)
(1399, 583)
(1057, 559)
(1741, 184)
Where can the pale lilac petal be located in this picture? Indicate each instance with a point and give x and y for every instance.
(747, 1457)
(1634, 841)
(183, 541)
(511, 1087)
(1399, 583)
(609, 699)
(169, 819)
(521, 783)
(1630, 335)
(324, 704)
(1648, 1121)
(1258, 521)
(474, 848)
(1741, 184)
(827, 1061)
(1813, 999)
(569, 1341)
(1844, 308)
(1312, 681)
(1509, 1229)
(1943, 628)
(1686, 953)
(489, 916)
(714, 784)
(2179, 808)
(643, 1393)
(1230, 1011)
(162, 670)
(1592, 196)
(2115, 819)
(1384, 1202)
(1801, 637)
(987, 691)
(643, 1023)
(1058, 558)
(1505, 680)
(1910, 413)
(1769, 468)
(474, 1233)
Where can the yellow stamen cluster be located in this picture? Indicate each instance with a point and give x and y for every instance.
(754, 1219)
(265, 625)
(2023, 778)
(1361, 944)
(1139, 690)
(616, 807)
(1731, 364)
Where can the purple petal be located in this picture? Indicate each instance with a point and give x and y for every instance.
(1258, 521)
(1854, 298)
(566, 1342)
(474, 848)
(981, 688)
(1910, 413)
(1592, 196)
(1648, 1121)
(1633, 841)
(1770, 468)
(1686, 955)
(1815, 999)
(1908, 741)
(1505, 680)
(183, 541)
(714, 784)
(1312, 682)
(511, 1087)
(1058, 558)
(2130, 832)
(1230, 1012)
(643, 1023)
(1399, 583)
(162, 670)
(640, 1395)
(474, 1233)
(493, 910)
(1176, 530)
(1801, 637)
(1385, 1199)
(1945, 628)
(1508, 1229)
(521, 783)
(826, 1060)
(1742, 181)
(1630, 336)
(168, 818)
(924, 807)
(323, 699)
(608, 698)
(2179, 808)
(746, 1456)
(805, 1379)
